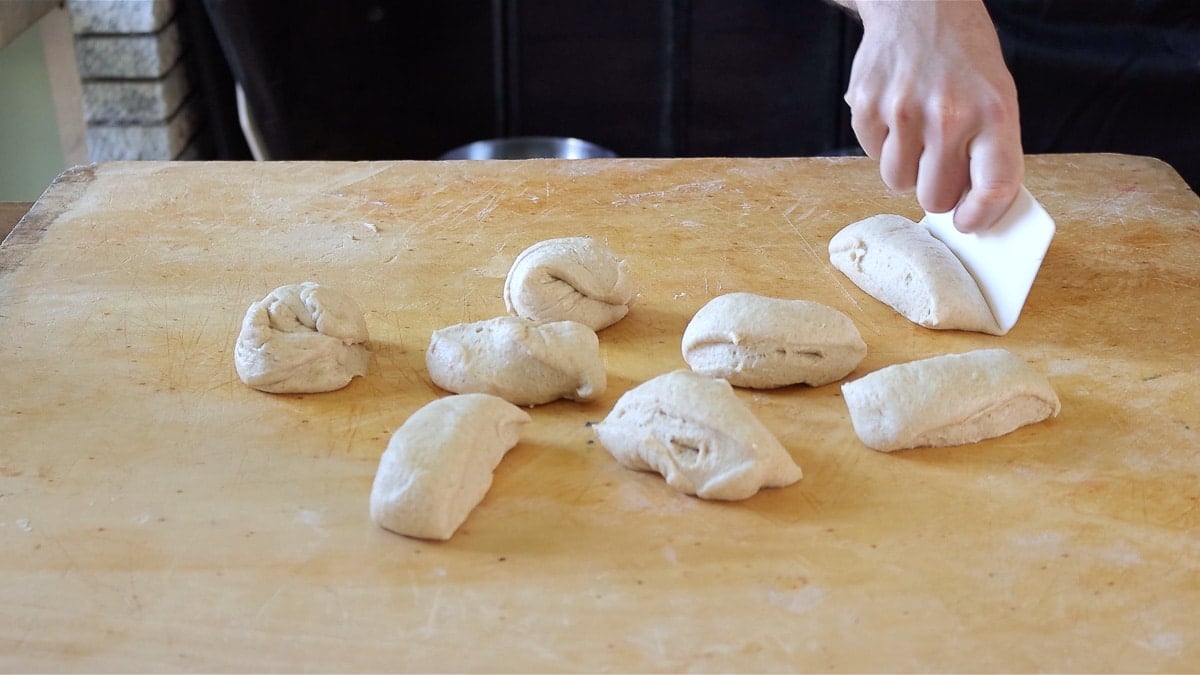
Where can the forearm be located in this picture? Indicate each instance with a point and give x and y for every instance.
(869, 10)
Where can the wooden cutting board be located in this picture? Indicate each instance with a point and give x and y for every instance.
(156, 514)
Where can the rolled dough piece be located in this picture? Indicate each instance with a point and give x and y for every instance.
(953, 399)
(901, 264)
(761, 342)
(696, 433)
(302, 338)
(439, 463)
(572, 279)
(524, 362)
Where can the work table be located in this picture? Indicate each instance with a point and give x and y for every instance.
(157, 514)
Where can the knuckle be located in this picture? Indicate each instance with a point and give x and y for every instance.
(904, 111)
(946, 118)
(858, 98)
(998, 110)
(861, 112)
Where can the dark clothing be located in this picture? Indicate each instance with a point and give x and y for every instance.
(375, 79)
(1106, 76)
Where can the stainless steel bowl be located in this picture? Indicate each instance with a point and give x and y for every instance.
(529, 147)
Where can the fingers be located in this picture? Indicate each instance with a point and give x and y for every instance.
(952, 160)
(943, 174)
(920, 148)
(997, 172)
(932, 99)
(901, 154)
(893, 136)
(942, 178)
(868, 126)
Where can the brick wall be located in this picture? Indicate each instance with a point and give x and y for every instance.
(138, 100)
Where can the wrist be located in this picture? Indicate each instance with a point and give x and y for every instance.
(892, 12)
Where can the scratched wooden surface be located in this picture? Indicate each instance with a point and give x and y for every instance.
(157, 515)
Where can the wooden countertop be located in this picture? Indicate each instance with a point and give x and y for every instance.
(158, 515)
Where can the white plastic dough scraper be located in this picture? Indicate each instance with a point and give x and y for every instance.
(1004, 260)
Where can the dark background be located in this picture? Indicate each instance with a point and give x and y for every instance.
(376, 79)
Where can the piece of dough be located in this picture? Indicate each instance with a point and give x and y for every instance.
(901, 264)
(302, 338)
(761, 342)
(524, 362)
(953, 399)
(569, 279)
(439, 463)
(695, 431)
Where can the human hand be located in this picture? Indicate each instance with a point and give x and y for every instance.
(931, 98)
